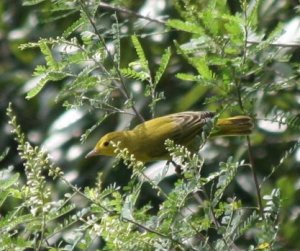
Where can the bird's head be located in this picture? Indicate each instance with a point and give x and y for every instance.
(107, 144)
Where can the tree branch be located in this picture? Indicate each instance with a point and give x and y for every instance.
(130, 13)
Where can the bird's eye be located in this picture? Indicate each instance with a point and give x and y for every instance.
(106, 143)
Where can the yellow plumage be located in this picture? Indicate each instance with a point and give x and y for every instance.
(146, 140)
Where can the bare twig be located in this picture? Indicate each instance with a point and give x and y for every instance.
(251, 159)
(286, 45)
(239, 97)
(130, 13)
(250, 156)
(145, 228)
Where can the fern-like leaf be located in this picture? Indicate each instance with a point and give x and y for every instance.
(288, 153)
(50, 60)
(187, 77)
(225, 180)
(128, 72)
(117, 41)
(74, 26)
(35, 90)
(163, 65)
(202, 67)
(185, 26)
(32, 2)
(140, 52)
(245, 225)
(293, 120)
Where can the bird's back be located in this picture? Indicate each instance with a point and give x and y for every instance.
(180, 127)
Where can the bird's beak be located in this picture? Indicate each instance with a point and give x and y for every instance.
(91, 153)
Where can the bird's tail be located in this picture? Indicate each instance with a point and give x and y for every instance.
(233, 126)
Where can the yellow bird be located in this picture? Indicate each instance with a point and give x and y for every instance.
(147, 140)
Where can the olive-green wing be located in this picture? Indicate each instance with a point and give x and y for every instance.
(180, 127)
(189, 124)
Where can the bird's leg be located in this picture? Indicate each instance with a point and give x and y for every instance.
(178, 168)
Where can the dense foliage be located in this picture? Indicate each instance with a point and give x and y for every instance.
(73, 70)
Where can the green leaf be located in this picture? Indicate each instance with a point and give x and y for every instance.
(224, 180)
(8, 182)
(187, 77)
(211, 22)
(4, 154)
(293, 120)
(140, 52)
(35, 90)
(3, 197)
(74, 26)
(32, 2)
(163, 65)
(200, 63)
(127, 72)
(246, 225)
(56, 75)
(85, 135)
(202, 67)
(235, 31)
(40, 70)
(128, 207)
(185, 26)
(253, 15)
(117, 41)
(50, 60)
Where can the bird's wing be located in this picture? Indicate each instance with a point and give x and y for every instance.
(189, 124)
(180, 127)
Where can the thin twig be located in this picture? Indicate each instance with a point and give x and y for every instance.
(286, 45)
(146, 228)
(251, 159)
(239, 95)
(158, 188)
(130, 13)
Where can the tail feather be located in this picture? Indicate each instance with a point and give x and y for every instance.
(233, 126)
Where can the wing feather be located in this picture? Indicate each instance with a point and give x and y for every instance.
(180, 127)
(190, 124)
